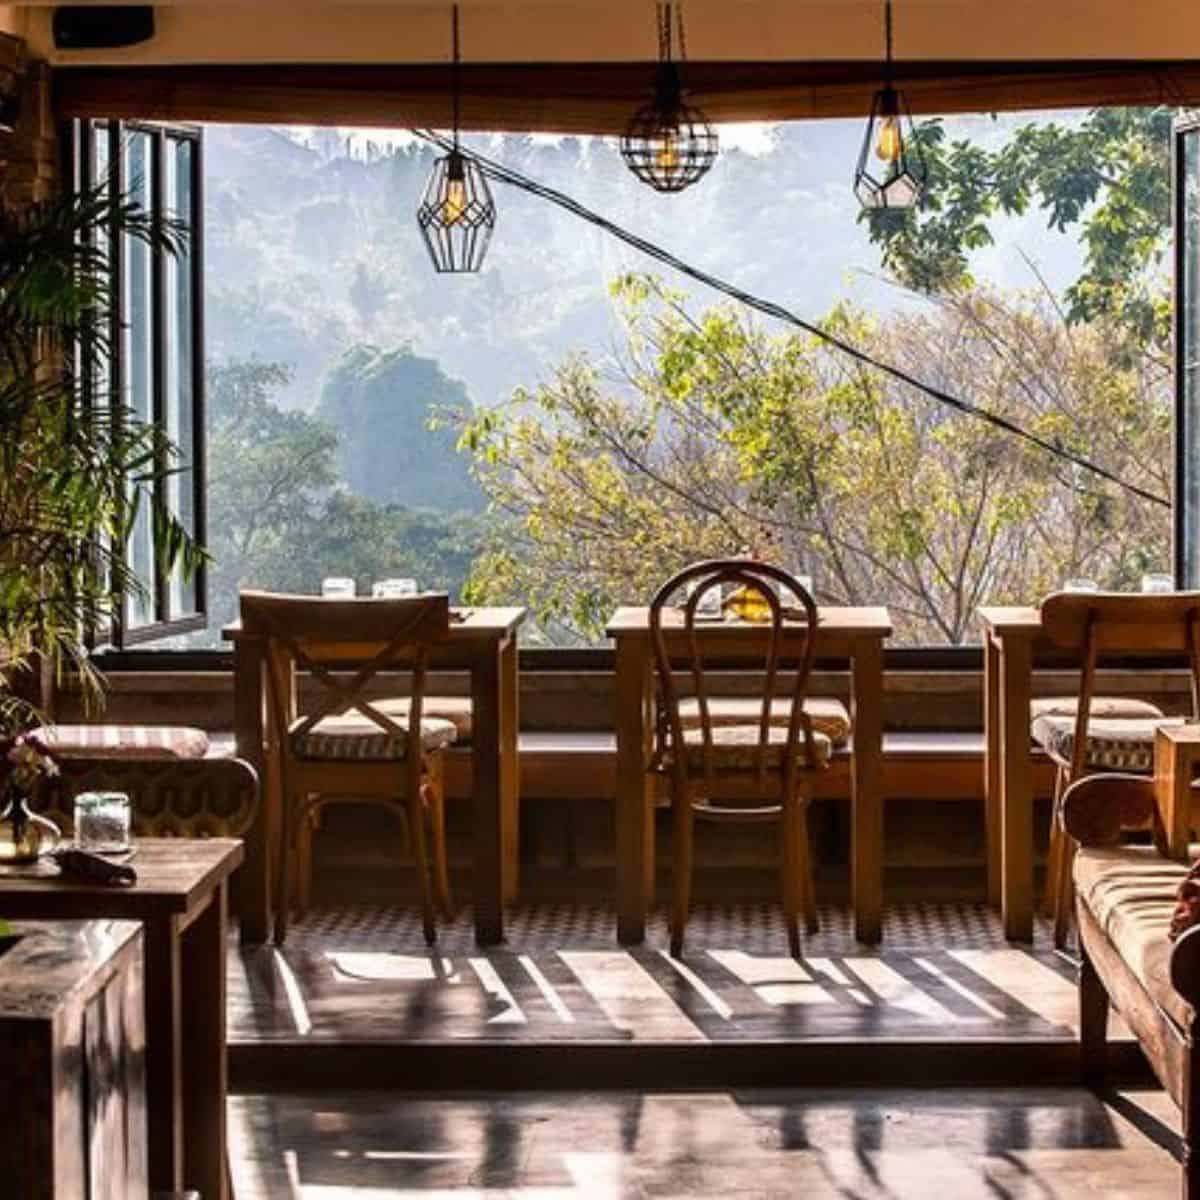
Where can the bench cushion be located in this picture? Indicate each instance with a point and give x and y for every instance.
(735, 748)
(455, 709)
(1101, 706)
(829, 716)
(1113, 743)
(355, 737)
(1131, 891)
(123, 741)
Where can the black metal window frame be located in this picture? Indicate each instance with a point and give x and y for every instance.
(84, 139)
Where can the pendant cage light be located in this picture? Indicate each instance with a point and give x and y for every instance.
(668, 143)
(457, 213)
(891, 170)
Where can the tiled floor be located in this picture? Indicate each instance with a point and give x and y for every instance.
(882, 1145)
(943, 973)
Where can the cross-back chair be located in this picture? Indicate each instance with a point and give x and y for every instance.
(710, 766)
(1098, 735)
(345, 747)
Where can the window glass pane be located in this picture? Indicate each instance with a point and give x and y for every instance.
(1188, 290)
(179, 351)
(137, 354)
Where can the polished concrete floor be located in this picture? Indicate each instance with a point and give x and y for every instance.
(1016, 1144)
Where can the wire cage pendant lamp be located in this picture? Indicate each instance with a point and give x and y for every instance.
(668, 143)
(457, 214)
(891, 171)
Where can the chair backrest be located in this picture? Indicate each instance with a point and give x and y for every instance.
(307, 632)
(792, 629)
(1095, 623)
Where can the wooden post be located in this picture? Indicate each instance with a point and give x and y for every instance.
(1016, 797)
(866, 869)
(991, 766)
(635, 808)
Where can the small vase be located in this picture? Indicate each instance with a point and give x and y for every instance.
(24, 836)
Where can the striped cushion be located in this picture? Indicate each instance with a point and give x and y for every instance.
(354, 736)
(455, 709)
(1101, 706)
(735, 748)
(829, 716)
(1113, 743)
(124, 741)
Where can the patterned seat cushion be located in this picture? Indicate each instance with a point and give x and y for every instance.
(735, 748)
(1131, 891)
(123, 741)
(829, 716)
(1101, 706)
(355, 736)
(455, 709)
(1113, 743)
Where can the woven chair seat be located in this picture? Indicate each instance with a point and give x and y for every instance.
(1113, 743)
(455, 709)
(829, 716)
(735, 748)
(355, 737)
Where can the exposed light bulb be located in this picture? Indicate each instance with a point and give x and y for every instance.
(455, 204)
(889, 145)
(667, 158)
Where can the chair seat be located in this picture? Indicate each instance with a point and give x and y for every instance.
(353, 736)
(1113, 743)
(123, 741)
(455, 709)
(735, 748)
(1130, 890)
(1101, 706)
(829, 716)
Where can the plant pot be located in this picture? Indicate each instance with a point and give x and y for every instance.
(24, 836)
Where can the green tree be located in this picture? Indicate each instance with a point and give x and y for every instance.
(724, 437)
(382, 402)
(1109, 175)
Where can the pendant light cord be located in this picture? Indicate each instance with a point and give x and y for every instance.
(502, 174)
(455, 72)
(887, 41)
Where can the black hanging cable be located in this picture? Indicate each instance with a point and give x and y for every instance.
(455, 78)
(503, 174)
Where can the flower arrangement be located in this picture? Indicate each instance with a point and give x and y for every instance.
(24, 760)
(28, 759)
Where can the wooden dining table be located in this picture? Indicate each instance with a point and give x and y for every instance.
(483, 643)
(853, 634)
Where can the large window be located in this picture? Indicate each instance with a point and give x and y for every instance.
(154, 366)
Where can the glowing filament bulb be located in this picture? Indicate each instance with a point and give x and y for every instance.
(455, 203)
(667, 158)
(889, 144)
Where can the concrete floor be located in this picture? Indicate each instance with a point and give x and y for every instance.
(958, 1144)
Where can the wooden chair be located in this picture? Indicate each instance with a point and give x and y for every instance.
(707, 765)
(346, 748)
(1095, 735)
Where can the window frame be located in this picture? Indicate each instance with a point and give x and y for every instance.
(82, 139)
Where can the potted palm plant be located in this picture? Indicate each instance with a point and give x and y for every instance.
(73, 475)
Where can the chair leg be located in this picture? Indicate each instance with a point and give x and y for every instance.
(1064, 900)
(808, 890)
(306, 828)
(684, 831)
(790, 887)
(283, 887)
(416, 829)
(1093, 1023)
(435, 803)
(1054, 851)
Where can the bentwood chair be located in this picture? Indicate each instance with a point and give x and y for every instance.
(346, 748)
(1089, 734)
(759, 770)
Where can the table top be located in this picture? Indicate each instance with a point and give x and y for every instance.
(1013, 618)
(466, 624)
(1187, 734)
(833, 621)
(175, 875)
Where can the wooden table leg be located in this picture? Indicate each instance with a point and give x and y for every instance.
(254, 878)
(203, 970)
(164, 1054)
(866, 851)
(510, 768)
(991, 767)
(635, 806)
(1016, 793)
(488, 831)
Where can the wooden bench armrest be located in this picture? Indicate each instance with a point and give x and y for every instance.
(1185, 966)
(1096, 810)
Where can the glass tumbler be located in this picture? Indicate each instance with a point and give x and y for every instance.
(102, 822)
(337, 587)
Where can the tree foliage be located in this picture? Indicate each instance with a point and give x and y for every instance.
(716, 436)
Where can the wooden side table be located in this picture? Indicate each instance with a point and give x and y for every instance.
(1176, 758)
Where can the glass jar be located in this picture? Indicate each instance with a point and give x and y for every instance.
(102, 822)
(24, 836)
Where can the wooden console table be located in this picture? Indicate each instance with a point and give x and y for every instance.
(181, 898)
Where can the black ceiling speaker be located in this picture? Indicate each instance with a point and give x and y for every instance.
(102, 26)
